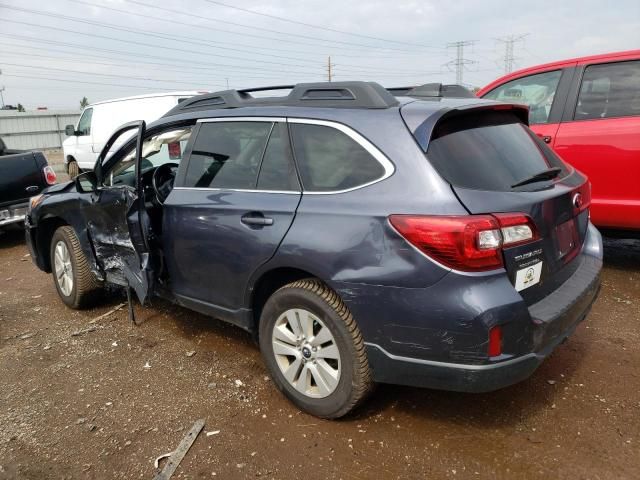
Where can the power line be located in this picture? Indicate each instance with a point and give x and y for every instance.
(352, 68)
(131, 63)
(227, 22)
(460, 62)
(95, 35)
(138, 54)
(318, 26)
(137, 31)
(113, 75)
(73, 80)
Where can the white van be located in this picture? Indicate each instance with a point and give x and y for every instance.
(100, 119)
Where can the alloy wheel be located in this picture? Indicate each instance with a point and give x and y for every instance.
(306, 353)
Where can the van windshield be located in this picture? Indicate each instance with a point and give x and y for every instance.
(489, 151)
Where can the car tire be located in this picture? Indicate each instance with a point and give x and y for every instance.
(311, 377)
(76, 284)
(73, 169)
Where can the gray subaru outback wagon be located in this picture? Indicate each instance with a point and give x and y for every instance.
(362, 237)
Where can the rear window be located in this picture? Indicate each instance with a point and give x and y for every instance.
(488, 151)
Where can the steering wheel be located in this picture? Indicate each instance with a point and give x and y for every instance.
(162, 181)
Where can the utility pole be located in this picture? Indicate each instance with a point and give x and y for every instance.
(509, 57)
(460, 62)
(329, 65)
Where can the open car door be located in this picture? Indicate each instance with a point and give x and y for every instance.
(118, 221)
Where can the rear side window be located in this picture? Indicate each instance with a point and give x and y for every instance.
(227, 155)
(535, 91)
(488, 151)
(277, 171)
(609, 90)
(330, 160)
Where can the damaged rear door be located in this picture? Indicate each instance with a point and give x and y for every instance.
(117, 218)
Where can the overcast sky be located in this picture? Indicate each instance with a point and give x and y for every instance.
(54, 53)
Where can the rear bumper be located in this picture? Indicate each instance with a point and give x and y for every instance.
(13, 214)
(554, 319)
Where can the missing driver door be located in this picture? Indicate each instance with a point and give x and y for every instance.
(118, 221)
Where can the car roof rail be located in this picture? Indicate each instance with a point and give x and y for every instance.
(319, 94)
(266, 89)
(433, 90)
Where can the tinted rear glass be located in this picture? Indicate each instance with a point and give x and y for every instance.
(329, 160)
(488, 151)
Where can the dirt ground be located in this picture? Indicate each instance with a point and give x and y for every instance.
(102, 399)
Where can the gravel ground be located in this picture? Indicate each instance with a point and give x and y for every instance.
(87, 398)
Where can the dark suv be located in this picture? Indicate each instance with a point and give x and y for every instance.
(361, 237)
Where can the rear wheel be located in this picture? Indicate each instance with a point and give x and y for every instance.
(314, 350)
(75, 282)
(73, 169)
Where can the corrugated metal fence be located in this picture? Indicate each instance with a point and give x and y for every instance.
(35, 130)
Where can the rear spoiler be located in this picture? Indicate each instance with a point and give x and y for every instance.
(422, 128)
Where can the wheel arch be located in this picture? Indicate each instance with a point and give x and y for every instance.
(269, 282)
(47, 227)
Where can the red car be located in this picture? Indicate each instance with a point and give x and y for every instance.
(588, 110)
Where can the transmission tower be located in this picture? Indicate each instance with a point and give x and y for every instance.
(509, 43)
(460, 62)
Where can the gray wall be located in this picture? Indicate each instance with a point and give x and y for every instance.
(35, 130)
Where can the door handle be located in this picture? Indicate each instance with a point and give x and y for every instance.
(546, 139)
(256, 220)
(32, 188)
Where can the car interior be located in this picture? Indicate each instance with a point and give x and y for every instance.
(161, 156)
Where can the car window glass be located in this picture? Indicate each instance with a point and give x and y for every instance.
(277, 171)
(227, 155)
(165, 147)
(84, 125)
(330, 160)
(488, 151)
(609, 90)
(535, 91)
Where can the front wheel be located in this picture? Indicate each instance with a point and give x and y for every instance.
(314, 349)
(75, 282)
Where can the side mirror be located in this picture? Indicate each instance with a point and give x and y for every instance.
(86, 182)
(69, 130)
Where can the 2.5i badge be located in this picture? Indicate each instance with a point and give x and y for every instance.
(528, 276)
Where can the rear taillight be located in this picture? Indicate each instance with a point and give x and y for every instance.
(471, 243)
(49, 175)
(516, 228)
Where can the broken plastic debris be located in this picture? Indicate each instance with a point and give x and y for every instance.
(214, 432)
(156, 463)
(239, 383)
(114, 344)
(146, 365)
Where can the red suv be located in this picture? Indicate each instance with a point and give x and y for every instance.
(588, 110)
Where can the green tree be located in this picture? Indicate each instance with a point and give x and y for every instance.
(83, 103)
(20, 108)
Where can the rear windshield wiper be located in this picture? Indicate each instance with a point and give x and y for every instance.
(548, 174)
